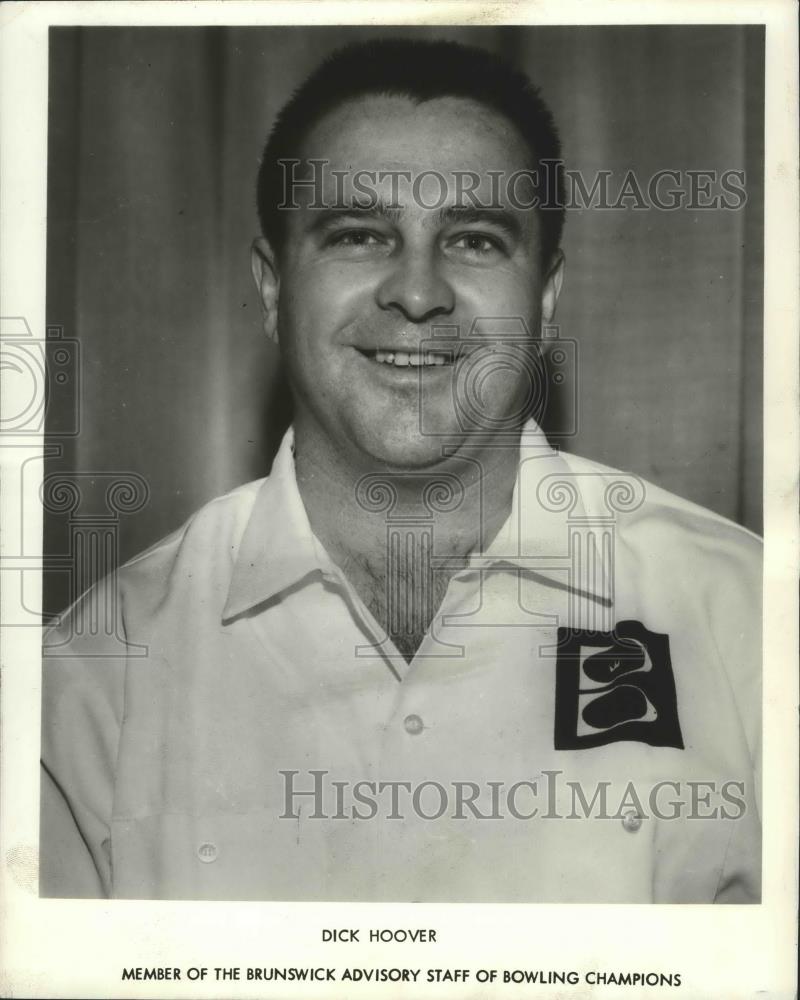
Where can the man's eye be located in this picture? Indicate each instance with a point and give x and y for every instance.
(478, 244)
(353, 238)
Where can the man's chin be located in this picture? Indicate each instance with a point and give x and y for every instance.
(410, 450)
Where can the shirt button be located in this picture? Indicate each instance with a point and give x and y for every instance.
(207, 853)
(631, 821)
(413, 724)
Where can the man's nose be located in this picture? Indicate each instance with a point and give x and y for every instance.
(416, 287)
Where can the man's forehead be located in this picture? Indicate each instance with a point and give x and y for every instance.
(447, 133)
(412, 155)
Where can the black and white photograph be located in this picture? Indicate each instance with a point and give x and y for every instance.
(432, 656)
(400, 478)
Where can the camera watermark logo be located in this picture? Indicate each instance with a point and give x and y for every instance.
(415, 506)
(38, 376)
(41, 412)
(503, 348)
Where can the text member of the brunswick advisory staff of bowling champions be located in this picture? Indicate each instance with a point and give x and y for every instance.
(428, 658)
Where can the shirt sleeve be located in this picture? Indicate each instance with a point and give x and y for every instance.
(83, 677)
(737, 609)
(67, 868)
(740, 879)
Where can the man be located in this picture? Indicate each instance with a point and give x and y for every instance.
(428, 658)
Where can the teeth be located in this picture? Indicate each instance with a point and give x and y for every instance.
(404, 359)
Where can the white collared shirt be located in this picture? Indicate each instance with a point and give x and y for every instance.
(234, 668)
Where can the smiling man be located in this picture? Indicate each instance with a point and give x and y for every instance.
(429, 657)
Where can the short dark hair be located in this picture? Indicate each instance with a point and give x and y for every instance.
(421, 71)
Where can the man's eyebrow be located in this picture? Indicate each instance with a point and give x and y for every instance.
(370, 208)
(469, 215)
(324, 218)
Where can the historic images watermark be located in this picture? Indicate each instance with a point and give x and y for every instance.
(549, 796)
(314, 184)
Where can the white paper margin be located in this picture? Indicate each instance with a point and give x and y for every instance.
(78, 948)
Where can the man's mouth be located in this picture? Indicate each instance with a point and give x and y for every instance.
(410, 359)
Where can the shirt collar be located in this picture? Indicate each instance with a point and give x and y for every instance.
(279, 550)
(553, 531)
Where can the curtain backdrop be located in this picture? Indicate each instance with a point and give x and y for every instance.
(155, 138)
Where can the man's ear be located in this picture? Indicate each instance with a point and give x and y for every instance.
(265, 274)
(552, 286)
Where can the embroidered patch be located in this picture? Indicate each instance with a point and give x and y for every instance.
(614, 686)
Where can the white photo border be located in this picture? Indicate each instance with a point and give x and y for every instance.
(65, 948)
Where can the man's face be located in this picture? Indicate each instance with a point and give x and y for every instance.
(361, 290)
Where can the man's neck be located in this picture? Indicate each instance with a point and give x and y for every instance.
(351, 502)
(389, 529)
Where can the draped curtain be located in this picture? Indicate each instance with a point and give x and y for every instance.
(154, 141)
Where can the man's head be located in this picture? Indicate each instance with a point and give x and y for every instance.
(400, 197)
(420, 71)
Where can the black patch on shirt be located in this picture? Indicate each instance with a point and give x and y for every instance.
(614, 686)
